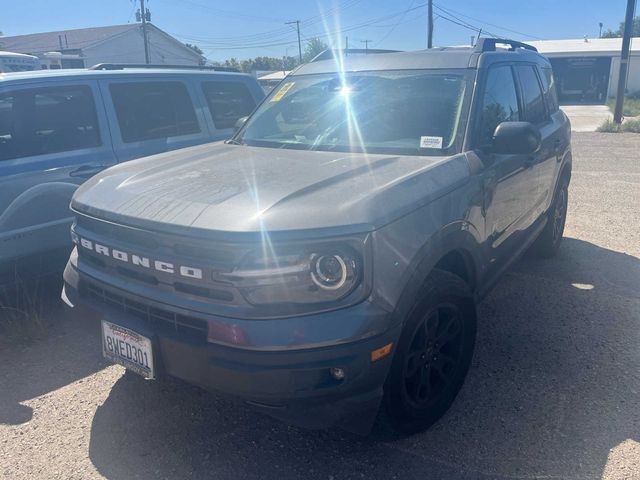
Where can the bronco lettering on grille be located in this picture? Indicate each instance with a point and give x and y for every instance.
(139, 261)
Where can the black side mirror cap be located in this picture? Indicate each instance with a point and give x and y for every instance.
(240, 123)
(516, 138)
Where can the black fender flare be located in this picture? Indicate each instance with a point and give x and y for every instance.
(458, 236)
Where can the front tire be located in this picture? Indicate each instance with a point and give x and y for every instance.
(433, 354)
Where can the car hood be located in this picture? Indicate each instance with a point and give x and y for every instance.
(234, 188)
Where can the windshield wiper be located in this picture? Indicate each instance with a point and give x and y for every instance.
(233, 141)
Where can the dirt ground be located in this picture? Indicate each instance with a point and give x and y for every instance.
(553, 392)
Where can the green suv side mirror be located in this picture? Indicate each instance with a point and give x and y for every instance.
(516, 138)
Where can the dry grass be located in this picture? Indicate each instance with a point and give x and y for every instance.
(25, 307)
(609, 126)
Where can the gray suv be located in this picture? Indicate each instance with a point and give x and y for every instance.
(328, 259)
(60, 127)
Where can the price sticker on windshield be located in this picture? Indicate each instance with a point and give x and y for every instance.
(430, 142)
(282, 92)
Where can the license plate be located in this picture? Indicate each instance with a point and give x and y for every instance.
(127, 348)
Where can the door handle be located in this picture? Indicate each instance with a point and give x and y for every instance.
(87, 171)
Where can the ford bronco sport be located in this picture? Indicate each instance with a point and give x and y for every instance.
(327, 260)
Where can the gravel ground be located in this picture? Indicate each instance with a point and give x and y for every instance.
(554, 389)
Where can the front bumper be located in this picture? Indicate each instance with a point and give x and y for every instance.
(292, 384)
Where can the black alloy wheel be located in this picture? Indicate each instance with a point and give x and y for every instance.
(434, 355)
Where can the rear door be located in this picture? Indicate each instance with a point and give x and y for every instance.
(559, 137)
(536, 111)
(509, 181)
(53, 136)
(152, 115)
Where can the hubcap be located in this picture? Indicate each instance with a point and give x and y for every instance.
(434, 354)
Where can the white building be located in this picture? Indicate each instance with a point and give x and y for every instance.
(586, 70)
(112, 44)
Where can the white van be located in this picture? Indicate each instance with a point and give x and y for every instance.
(18, 62)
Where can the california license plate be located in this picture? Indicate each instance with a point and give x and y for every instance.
(127, 348)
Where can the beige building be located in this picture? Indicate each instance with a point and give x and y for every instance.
(112, 44)
(586, 69)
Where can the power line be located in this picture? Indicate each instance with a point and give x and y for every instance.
(269, 35)
(450, 10)
(404, 14)
(297, 22)
(325, 34)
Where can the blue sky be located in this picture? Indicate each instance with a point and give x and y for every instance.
(248, 28)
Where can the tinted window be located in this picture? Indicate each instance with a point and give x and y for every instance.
(228, 101)
(153, 110)
(500, 101)
(549, 87)
(532, 94)
(47, 120)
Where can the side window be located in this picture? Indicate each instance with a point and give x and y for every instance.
(227, 101)
(500, 101)
(549, 87)
(532, 99)
(148, 110)
(38, 121)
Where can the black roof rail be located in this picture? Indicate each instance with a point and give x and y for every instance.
(332, 53)
(122, 66)
(489, 45)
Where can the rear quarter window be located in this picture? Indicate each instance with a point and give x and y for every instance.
(549, 87)
(150, 110)
(227, 102)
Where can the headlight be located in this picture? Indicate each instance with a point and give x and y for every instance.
(298, 275)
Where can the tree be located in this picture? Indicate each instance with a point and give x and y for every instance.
(195, 48)
(199, 51)
(313, 48)
(635, 30)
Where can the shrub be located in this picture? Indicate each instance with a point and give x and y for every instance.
(631, 106)
(609, 126)
(632, 125)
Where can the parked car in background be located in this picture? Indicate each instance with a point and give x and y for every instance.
(328, 258)
(18, 62)
(58, 128)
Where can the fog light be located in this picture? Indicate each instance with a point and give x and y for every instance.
(337, 373)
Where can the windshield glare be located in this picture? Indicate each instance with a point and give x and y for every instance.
(402, 112)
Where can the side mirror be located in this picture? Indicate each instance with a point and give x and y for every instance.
(240, 123)
(516, 138)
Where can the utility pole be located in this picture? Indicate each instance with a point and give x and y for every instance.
(600, 34)
(430, 24)
(624, 61)
(297, 22)
(346, 42)
(143, 15)
(366, 45)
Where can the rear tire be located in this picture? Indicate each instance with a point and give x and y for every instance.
(433, 354)
(548, 243)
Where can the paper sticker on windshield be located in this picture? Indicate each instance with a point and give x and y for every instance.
(430, 142)
(282, 92)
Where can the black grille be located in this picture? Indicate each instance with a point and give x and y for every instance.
(153, 316)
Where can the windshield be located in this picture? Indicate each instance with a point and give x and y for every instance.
(403, 112)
